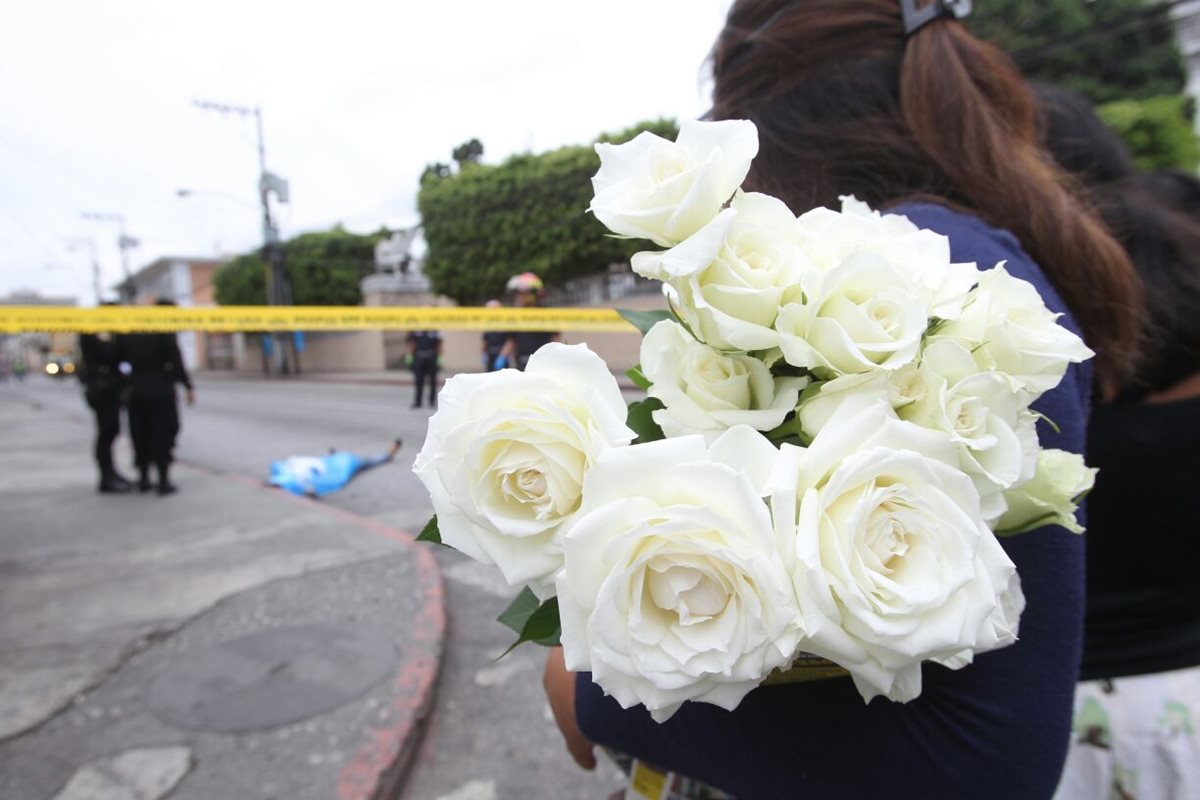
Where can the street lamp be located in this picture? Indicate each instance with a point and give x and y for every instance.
(186, 192)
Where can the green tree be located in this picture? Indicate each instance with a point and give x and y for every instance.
(324, 269)
(485, 224)
(1104, 49)
(1159, 131)
(469, 152)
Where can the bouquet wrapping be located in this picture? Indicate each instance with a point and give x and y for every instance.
(836, 428)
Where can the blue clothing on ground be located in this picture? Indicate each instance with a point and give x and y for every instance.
(317, 477)
(996, 729)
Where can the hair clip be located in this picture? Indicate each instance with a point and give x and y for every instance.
(915, 18)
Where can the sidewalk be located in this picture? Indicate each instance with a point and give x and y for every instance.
(381, 377)
(231, 641)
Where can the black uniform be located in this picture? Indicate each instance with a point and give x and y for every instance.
(100, 373)
(427, 347)
(156, 365)
(493, 343)
(527, 343)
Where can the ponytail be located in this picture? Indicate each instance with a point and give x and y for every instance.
(975, 117)
(845, 103)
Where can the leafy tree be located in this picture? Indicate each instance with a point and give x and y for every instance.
(324, 269)
(1104, 49)
(468, 152)
(1158, 131)
(435, 171)
(485, 224)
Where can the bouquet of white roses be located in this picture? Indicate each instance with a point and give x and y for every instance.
(837, 427)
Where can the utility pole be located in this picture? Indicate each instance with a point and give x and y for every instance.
(125, 242)
(278, 290)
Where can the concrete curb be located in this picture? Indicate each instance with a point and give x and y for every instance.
(378, 765)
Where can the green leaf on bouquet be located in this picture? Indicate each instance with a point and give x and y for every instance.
(641, 420)
(430, 532)
(532, 620)
(644, 320)
(790, 431)
(1048, 421)
(639, 378)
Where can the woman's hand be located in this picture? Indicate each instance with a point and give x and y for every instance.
(560, 690)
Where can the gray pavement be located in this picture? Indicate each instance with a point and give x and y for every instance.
(102, 593)
(98, 598)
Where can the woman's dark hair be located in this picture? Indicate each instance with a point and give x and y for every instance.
(845, 103)
(1156, 218)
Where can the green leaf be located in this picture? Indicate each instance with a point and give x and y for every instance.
(639, 379)
(430, 532)
(532, 620)
(1048, 421)
(790, 431)
(1046, 519)
(641, 420)
(644, 320)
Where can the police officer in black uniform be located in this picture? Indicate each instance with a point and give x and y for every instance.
(156, 365)
(103, 385)
(524, 291)
(425, 357)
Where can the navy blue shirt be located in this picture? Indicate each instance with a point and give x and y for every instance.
(998, 728)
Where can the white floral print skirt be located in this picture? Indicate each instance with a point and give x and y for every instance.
(1135, 738)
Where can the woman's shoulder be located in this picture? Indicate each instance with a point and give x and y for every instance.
(972, 239)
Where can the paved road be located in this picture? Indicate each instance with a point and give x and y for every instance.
(490, 734)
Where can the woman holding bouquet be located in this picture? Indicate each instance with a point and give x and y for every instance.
(901, 107)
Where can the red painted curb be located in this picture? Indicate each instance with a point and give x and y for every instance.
(381, 758)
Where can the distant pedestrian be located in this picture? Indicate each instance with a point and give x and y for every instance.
(156, 365)
(493, 343)
(425, 358)
(524, 291)
(103, 385)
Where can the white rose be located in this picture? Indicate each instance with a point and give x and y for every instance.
(1051, 497)
(984, 416)
(650, 188)
(899, 388)
(705, 391)
(862, 315)
(890, 557)
(922, 255)
(729, 280)
(506, 453)
(672, 589)
(1008, 328)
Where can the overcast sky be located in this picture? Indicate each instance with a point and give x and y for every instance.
(357, 97)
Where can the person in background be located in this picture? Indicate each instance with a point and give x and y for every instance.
(524, 291)
(424, 358)
(103, 386)
(1138, 701)
(156, 366)
(493, 343)
(903, 108)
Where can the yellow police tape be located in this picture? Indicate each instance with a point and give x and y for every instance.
(127, 319)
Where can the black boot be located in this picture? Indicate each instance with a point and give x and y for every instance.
(113, 483)
(144, 484)
(165, 487)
